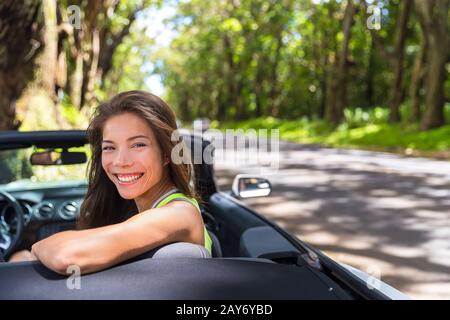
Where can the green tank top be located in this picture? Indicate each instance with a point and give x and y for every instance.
(173, 195)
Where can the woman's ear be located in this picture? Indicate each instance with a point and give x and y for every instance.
(166, 160)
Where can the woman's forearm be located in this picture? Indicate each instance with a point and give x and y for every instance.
(99, 248)
(82, 248)
(90, 250)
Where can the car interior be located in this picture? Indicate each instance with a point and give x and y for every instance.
(53, 208)
(250, 252)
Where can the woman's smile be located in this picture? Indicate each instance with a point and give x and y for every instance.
(128, 178)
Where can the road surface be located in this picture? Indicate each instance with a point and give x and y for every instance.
(384, 214)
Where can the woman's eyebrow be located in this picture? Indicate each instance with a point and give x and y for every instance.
(129, 139)
(139, 136)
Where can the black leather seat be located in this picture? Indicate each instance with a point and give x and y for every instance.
(210, 225)
(216, 250)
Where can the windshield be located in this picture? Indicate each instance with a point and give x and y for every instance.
(16, 169)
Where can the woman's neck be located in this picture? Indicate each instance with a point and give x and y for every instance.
(146, 201)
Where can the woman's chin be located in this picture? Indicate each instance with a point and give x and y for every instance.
(128, 195)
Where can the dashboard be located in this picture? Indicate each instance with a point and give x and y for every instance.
(50, 210)
(46, 210)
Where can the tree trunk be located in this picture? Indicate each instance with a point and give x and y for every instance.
(396, 96)
(370, 75)
(338, 89)
(110, 42)
(418, 73)
(21, 23)
(76, 81)
(324, 66)
(47, 61)
(274, 92)
(93, 74)
(435, 18)
(91, 49)
(324, 88)
(184, 106)
(221, 107)
(241, 113)
(221, 97)
(259, 85)
(231, 80)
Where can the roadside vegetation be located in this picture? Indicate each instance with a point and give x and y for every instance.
(361, 129)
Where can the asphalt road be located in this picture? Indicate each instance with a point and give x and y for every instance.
(382, 213)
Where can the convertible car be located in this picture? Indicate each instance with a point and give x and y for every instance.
(42, 185)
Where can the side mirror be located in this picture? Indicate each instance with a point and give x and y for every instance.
(246, 186)
(51, 157)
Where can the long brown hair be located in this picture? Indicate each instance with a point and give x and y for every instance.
(103, 204)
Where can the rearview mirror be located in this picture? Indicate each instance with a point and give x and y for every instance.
(51, 157)
(246, 186)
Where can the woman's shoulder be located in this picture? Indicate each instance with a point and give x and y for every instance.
(178, 197)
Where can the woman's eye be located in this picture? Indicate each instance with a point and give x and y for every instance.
(107, 148)
(138, 145)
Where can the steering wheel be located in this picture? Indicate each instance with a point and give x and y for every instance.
(8, 241)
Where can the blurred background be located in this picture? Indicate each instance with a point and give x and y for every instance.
(333, 76)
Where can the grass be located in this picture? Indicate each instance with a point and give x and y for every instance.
(360, 130)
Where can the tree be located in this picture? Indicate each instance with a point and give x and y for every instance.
(239, 59)
(21, 41)
(337, 94)
(89, 48)
(68, 46)
(395, 58)
(418, 73)
(434, 22)
(397, 91)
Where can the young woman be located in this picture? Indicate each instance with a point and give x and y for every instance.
(138, 199)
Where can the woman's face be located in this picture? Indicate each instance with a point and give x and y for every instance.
(131, 156)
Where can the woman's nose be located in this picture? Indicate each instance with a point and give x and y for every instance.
(122, 158)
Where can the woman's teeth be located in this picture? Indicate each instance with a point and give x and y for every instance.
(128, 178)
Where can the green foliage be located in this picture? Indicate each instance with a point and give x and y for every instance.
(130, 65)
(277, 58)
(393, 137)
(37, 112)
(14, 165)
(72, 115)
(358, 117)
(366, 129)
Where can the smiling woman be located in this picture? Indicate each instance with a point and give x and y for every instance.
(138, 199)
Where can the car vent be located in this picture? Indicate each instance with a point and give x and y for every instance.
(68, 210)
(45, 210)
